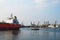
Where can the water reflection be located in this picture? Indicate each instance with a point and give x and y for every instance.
(15, 34)
(28, 34)
(9, 35)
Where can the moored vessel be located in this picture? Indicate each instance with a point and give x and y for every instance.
(10, 24)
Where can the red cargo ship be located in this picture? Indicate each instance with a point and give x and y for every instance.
(10, 24)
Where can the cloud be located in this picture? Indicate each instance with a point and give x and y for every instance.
(45, 3)
(2, 1)
(40, 1)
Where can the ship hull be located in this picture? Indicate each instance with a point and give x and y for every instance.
(7, 26)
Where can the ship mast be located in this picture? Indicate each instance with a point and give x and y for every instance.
(55, 24)
(11, 15)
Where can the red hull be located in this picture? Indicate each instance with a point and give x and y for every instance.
(10, 26)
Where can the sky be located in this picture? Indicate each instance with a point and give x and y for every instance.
(31, 10)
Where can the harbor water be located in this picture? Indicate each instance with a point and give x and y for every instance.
(28, 34)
